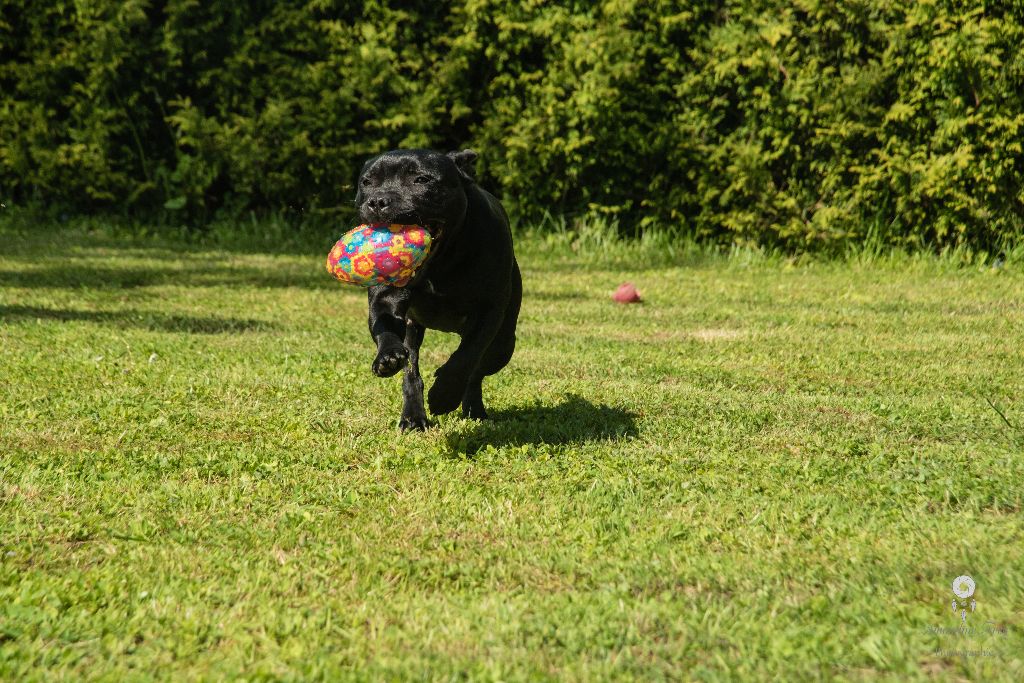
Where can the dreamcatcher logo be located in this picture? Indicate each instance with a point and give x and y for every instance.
(964, 600)
(963, 591)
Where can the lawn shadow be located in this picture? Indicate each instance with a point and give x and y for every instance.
(159, 322)
(574, 420)
(563, 296)
(179, 273)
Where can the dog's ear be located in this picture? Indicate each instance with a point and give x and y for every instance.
(465, 161)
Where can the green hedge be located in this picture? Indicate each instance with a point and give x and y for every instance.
(796, 123)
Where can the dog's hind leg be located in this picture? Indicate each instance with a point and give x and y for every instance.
(413, 414)
(463, 371)
(473, 399)
(496, 357)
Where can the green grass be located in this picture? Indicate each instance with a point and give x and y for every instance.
(770, 470)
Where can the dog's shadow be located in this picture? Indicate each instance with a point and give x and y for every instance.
(574, 420)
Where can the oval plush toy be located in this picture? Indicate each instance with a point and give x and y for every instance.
(379, 254)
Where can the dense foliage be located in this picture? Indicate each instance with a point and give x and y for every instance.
(802, 123)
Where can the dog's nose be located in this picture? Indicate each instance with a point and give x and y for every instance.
(378, 204)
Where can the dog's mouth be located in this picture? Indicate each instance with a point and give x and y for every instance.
(435, 228)
(401, 212)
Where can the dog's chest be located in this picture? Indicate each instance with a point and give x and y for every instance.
(437, 311)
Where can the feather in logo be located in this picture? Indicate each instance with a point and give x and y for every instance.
(963, 592)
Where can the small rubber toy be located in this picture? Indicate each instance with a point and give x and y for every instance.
(379, 254)
(627, 293)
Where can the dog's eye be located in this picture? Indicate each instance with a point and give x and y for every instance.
(422, 179)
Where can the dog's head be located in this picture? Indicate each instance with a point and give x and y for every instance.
(416, 187)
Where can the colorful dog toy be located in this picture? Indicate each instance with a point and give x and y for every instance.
(379, 254)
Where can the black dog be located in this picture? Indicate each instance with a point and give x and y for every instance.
(470, 283)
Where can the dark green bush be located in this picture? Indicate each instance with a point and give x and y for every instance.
(805, 124)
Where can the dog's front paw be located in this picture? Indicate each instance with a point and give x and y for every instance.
(390, 360)
(446, 393)
(413, 423)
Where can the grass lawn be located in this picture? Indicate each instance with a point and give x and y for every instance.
(769, 470)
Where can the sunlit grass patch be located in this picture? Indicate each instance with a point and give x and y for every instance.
(770, 469)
